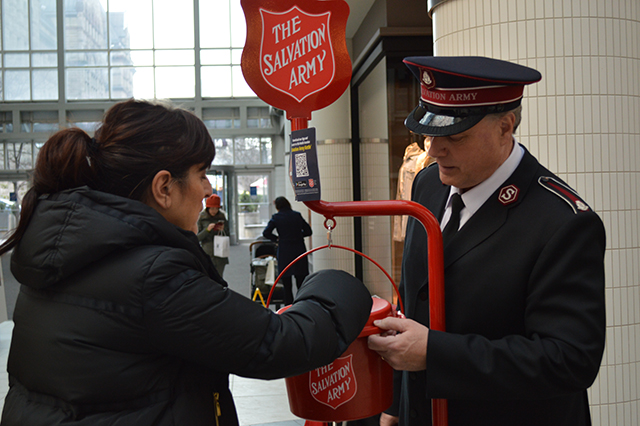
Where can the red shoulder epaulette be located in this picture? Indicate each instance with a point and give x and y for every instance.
(565, 192)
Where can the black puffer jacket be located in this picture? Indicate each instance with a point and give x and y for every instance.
(122, 320)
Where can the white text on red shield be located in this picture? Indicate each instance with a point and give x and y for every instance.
(334, 384)
(295, 46)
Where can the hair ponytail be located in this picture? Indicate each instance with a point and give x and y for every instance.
(64, 162)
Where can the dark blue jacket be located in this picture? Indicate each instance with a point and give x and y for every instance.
(292, 229)
(524, 306)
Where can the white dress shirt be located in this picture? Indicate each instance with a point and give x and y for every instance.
(475, 197)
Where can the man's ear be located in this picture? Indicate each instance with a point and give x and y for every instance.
(507, 122)
(161, 189)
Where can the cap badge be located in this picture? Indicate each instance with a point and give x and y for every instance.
(508, 195)
(427, 79)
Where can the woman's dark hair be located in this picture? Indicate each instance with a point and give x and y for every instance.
(135, 141)
(282, 203)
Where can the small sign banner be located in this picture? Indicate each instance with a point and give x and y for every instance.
(303, 165)
(295, 57)
(334, 384)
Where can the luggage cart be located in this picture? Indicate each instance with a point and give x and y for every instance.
(263, 257)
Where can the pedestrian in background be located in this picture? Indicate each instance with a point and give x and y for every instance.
(292, 229)
(211, 223)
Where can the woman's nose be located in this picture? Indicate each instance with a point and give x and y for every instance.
(208, 189)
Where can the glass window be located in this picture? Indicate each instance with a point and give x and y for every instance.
(44, 60)
(175, 82)
(174, 57)
(44, 84)
(122, 82)
(215, 57)
(173, 24)
(86, 58)
(16, 60)
(6, 121)
(88, 120)
(236, 56)
(17, 86)
(88, 83)
(221, 118)
(19, 155)
(85, 25)
(122, 33)
(239, 26)
(253, 205)
(265, 150)
(216, 82)
(240, 86)
(39, 121)
(144, 83)
(15, 25)
(258, 117)
(215, 23)
(44, 28)
(130, 24)
(224, 151)
(141, 57)
(247, 150)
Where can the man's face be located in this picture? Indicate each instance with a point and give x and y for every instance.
(468, 158)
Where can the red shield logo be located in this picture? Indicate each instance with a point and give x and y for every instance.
(334, 384)
(508, 194)
(296, 56)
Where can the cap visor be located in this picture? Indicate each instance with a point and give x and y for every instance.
(427, 123)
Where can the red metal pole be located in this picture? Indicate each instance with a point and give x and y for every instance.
(401, 207)
(435, 257)
(299, 123)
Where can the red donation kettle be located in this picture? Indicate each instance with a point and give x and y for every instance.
(357, 385)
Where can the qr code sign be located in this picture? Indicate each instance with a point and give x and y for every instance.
(301, 165)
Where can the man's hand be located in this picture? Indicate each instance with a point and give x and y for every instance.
(403, 345)
(388, 420)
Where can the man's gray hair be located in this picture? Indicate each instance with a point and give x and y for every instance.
(517, 112)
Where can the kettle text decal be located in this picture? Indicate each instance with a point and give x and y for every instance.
(334, 384)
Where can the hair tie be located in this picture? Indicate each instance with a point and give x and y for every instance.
(92, 146)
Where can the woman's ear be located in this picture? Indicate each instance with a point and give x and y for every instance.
(161, 189)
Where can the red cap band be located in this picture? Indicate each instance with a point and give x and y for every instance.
(471, 96)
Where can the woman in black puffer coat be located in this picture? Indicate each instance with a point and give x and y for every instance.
(122, 318)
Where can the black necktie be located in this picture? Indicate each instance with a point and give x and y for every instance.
(454, 221)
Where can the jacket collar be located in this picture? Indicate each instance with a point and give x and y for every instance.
(493, 213)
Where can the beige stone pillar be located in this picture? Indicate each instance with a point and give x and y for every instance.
(583, 122)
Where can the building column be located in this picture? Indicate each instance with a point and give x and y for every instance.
(333, 135)
(582, 121)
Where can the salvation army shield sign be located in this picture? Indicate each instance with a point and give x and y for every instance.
(334, 384)
(303, 66)
(295, 57)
